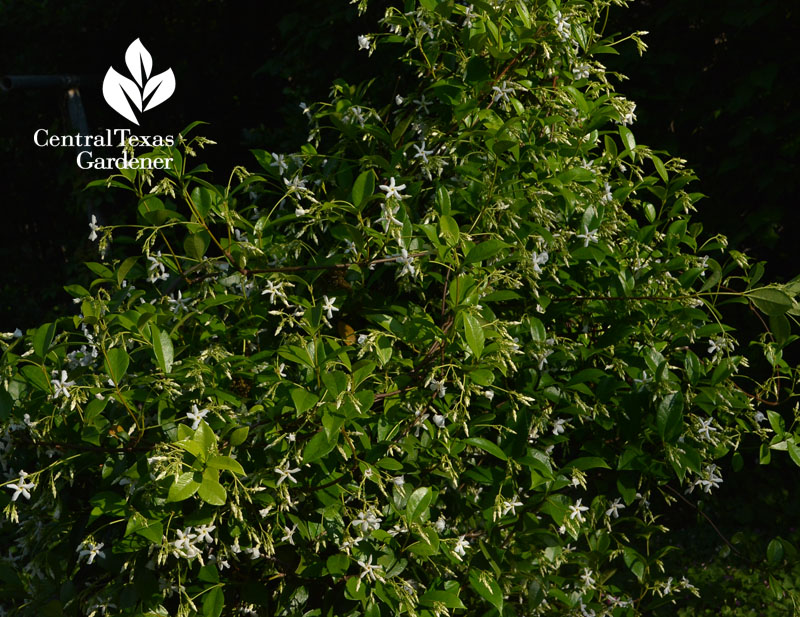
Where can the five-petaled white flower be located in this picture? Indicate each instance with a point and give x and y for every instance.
(706, 429)
(422, 104)
(328, 306)
(275, 291)
(408, 263)
(93, 228)
(288, 534)
(392, 190)
(370, 570)
(511, 505)
(575, 511)
(438, 387)
(280, 161)
(90, 550)
(460, 549)
(387, 216)
(422, 152)
(588, 236)
(562, 26)
(23, 487)
(501, 92)
(558, 426)
(195, 415)
(367, 521)
(60, 385)
(286, 473)
(363, 42)
(204, 533)
(614, 508)
(539, 259)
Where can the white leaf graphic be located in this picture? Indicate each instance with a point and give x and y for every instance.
(137, 57)
(162, 86)
(115, 87)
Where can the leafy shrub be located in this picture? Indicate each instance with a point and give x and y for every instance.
(457, 355)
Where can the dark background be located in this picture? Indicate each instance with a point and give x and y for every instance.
(717, 87)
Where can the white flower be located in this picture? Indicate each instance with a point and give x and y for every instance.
(280, 370)
(558, 426)
(93, 228)
(398, 480)
(422, 152)
(275, 291)
(629, 117)
(91, 550)
(407, 261)
(286, 473)
(588, 236)
(576, 510)
(327, 305)
(706, 429)
(607, 196)
(398, 100)
(501, 92)
(614, 508)
(204, 533)
(305, 109)
(539, 259)
(438, 387)
(489, 394)
(17, 333)
(195, 415)
(288, 534)
(439, 420)
(760, 417)
(562, 26)
(60, 385)
(363, 42)
(387, 216)
(511, 505)
(279, 161)
(22, 487)
(372, 572)
(422, 104)
(367, 521)
(461, 547)
(586, 577)
(440, 525)
(393, 190)
(468, 16)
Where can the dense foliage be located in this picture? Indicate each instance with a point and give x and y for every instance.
(460, 354)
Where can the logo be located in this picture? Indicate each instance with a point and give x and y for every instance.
(141, 93)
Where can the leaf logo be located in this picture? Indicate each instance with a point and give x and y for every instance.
(141, 93)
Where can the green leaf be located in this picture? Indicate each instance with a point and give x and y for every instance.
(780, 328)
(225, 462)
(303, 399)
(474, 333)
(239, 435)
(37, 377)
(627, 138)
(774, 552)
(162, 348)
(183, 487)
(151, 530)
(42, 339)
(486, 445)
(210, 490)
(484, 250)
(669, 417)
(363, 188)
(659, 165)
(213, 602)
(770, 300)
(449, 229)
(318, 446)
(116, 364)
(448, 599)
(124, 268)
(196, 245)
(205, 436)
(337, 564)
(418, 502)
(486, 587)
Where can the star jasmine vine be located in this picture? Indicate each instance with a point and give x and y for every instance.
(435, 390)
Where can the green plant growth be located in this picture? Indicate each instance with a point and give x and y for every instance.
(456, 356)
